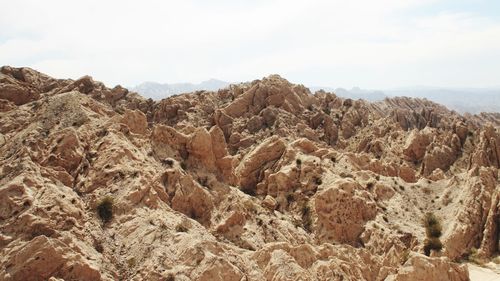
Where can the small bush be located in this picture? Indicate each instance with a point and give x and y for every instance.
(430, 220)
(433, 230)
(306, 218)
(298, 162)
(370, 185)
(318, 181)
(105, 209)
(432, 244)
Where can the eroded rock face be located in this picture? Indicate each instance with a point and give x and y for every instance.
(343, 209)
(416, 145)
(250, 170)
(258, 181)
(136, 121)
(44, 257)
(419, 268)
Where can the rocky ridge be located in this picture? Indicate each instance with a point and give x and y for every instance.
(259, 181)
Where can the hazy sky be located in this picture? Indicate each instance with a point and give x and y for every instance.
(371, 44)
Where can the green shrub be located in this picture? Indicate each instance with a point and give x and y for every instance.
(432, 226)
(370, 185)
(433, 230)
(318, 181)
(306, 217)
(105, 209)
(432, 244)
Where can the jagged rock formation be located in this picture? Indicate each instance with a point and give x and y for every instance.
(258, 181)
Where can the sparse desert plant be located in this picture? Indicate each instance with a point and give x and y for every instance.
(306, 217)
(318, 181)
(432, 243)
(105, 209)
(298, 162)
(370, 185)
(433, 231)
(432, 225)
(431, 220)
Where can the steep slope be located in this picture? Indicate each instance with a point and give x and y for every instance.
(259, 181)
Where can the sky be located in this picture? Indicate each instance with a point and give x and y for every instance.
(370, 44)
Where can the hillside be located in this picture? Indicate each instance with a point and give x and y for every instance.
(258, 181)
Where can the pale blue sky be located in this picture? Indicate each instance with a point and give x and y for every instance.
(370, 44)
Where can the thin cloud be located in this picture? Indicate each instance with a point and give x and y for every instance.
(374, 44)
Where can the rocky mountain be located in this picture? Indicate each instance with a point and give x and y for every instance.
(259, 181)
(158, 91)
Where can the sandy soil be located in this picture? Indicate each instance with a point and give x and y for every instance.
(478, 273)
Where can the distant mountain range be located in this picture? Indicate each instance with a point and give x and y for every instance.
(461, 100)
(159, 91)
(354, 93)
